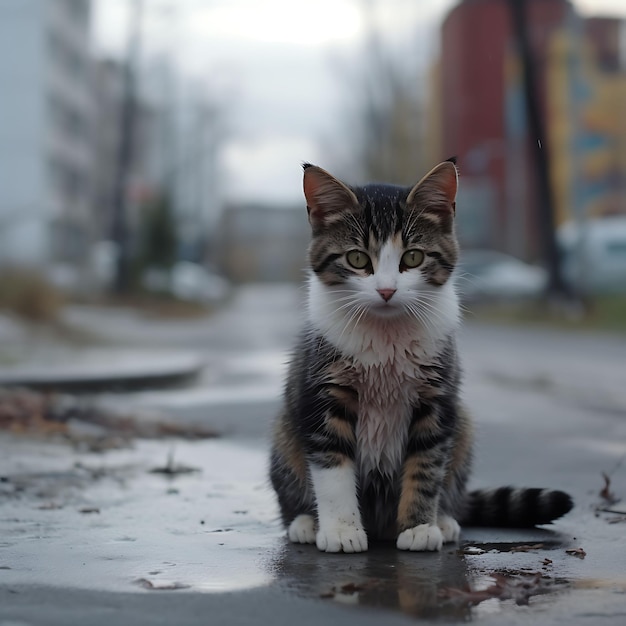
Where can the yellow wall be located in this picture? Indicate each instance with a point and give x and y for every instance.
(602, 113)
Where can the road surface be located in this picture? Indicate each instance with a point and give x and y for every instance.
(96, 539)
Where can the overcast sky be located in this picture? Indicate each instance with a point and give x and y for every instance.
(278, 67)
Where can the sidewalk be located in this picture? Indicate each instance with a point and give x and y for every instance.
(92, 369)
(44, 359)
(101, 539)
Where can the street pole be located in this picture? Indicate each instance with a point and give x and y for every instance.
(119, 226)
(557, 288)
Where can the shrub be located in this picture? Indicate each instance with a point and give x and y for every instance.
(26, 293)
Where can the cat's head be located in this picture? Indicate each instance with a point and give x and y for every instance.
(382, 248)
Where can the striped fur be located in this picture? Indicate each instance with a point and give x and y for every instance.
(372, 441)
(514, 507)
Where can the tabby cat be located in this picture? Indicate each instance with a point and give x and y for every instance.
(373, 441)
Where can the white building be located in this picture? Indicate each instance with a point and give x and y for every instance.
(46, 109)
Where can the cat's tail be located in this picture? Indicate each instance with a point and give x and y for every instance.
(511, 507)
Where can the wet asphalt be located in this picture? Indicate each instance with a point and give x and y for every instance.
(93, 538)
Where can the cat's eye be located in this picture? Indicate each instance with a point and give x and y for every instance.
(412, 258)
(359, 260)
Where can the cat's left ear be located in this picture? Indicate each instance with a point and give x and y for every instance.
(436, 192)
(326, 197)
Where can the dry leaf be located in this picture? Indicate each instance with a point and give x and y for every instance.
(578, 552)
(605, 492)
(526, 548)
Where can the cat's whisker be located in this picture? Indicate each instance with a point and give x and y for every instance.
(347, 301)
(359, 310)
(424, 304)
(420, 320)
(472, 279)
(360, 316)
(428, 300)
(429, 304)
(354, 295)
(419, 315)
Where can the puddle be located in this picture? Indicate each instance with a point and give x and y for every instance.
(382, 578)
(476, 549)
(459, 584)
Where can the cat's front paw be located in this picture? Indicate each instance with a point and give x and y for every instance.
(450, 528)
(341, 536)
(420, 538)
(302, 529)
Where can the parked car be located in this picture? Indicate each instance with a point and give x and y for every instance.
(194, 282)
(187, 281)
(594, 259)
(484, 274)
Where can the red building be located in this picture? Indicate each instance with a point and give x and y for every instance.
(482, 117)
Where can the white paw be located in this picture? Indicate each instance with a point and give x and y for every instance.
(302, 529)
(450, 528)
(420, 538)
(341, 536)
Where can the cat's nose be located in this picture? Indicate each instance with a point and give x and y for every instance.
(386, 294)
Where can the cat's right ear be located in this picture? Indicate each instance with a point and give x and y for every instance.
(326, 197)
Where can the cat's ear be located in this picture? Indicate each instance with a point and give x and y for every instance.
(326, 197)
(436, 192)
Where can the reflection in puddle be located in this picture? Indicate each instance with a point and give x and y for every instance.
(488, 590)
(383, 577)
(444, 585)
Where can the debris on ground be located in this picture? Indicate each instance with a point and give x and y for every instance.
(55, 489)
(518, 586)
(350, 588)
(87, 510)
(477, 550)
(577, 552)
(171, 468)
(605, 493)
(148, 584)
(527, 548)
(83, 423)
(24, 411)
(471, 551)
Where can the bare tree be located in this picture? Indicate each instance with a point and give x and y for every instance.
(387, 120)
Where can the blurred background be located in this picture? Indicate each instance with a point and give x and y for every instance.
(153, 240)
(154, 147)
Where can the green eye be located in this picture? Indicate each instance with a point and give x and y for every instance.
(357, 259)
(412, 258)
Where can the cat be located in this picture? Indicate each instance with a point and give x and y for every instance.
(372, 442)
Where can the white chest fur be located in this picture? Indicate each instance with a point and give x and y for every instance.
(387, 357)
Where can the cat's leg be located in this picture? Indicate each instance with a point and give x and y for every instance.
(339, 518)
(453, 494)
(331, 446)
(423, 473)
(288, 475)
(302, 529)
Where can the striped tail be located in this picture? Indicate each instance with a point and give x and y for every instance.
(511, 507)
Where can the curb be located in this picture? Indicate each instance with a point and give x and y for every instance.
(112, 371)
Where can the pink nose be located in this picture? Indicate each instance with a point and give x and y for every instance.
(386, 294)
